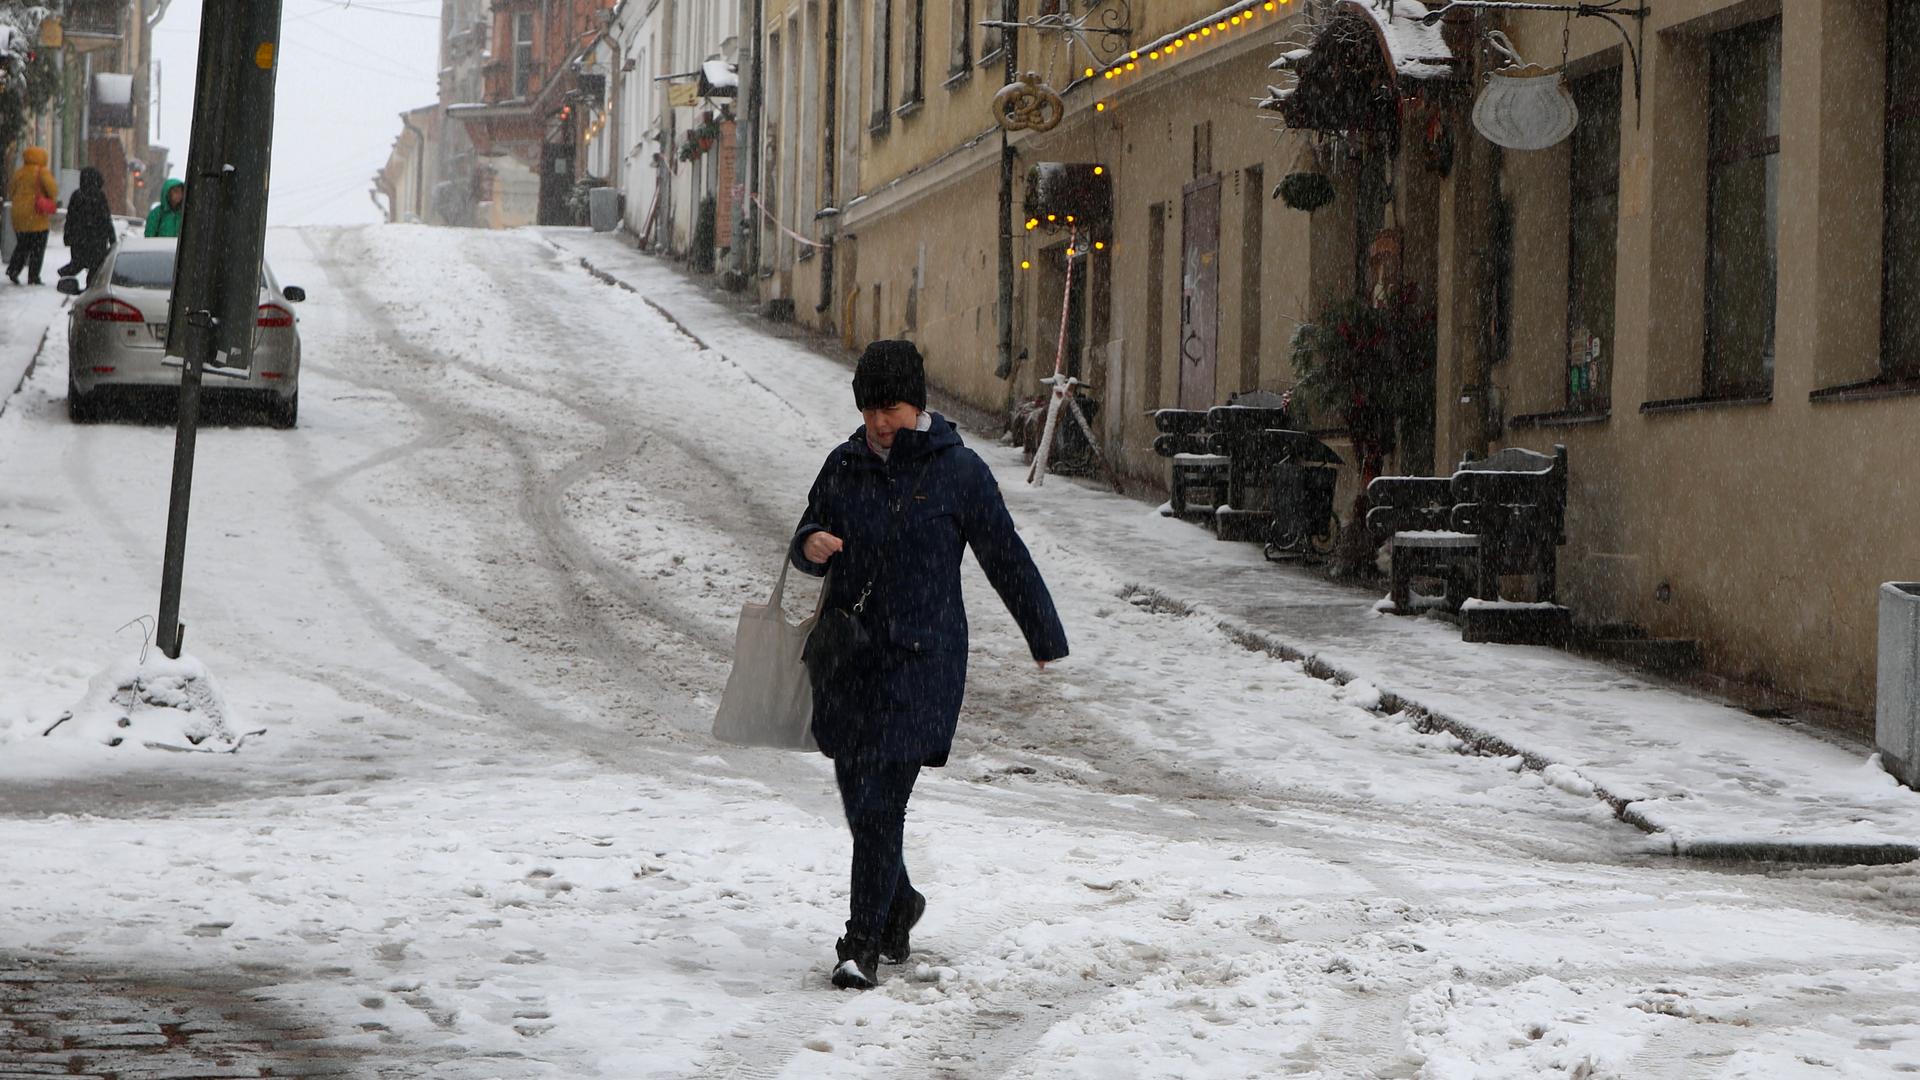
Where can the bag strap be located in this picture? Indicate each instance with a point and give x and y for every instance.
(780, 590)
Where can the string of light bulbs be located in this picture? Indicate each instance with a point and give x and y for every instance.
(1220, 24)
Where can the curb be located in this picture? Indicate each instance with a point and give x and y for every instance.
(1483, 742)
(32, 363)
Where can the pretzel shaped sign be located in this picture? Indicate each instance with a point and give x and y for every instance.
(1028, 105)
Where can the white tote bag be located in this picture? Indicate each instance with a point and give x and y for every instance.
(768, 700)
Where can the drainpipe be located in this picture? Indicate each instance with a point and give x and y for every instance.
(749, 260)
(830, 184)
(1009, 49)
(419, 166)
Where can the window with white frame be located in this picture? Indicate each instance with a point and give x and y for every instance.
(960, 41)
(913, 88)
(522, 53)
(881, 32)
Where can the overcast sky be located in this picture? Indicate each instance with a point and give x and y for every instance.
(348, 68)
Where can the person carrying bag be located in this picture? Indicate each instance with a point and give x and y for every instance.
(891, 515)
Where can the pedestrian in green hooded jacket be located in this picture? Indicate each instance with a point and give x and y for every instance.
(165, 217)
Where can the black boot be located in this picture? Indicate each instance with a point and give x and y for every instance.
(859, 966)
(895, 946)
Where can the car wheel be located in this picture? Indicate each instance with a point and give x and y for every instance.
(284, 412)
(80, 409)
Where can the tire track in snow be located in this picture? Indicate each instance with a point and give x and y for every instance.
(579, 582)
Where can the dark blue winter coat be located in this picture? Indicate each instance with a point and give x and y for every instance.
(904, 706)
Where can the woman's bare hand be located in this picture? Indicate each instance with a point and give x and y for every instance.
(821, 546)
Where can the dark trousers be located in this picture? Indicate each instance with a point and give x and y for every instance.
(874, 794)
(29, 249)
(77, 264)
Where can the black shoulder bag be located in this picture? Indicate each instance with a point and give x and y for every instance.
(839, 637)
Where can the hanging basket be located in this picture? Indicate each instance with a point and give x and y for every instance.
(1306, 187)
(1307, 191)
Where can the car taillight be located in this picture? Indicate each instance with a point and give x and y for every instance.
(273, 315)
(111, 310)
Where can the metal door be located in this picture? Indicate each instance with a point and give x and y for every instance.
(1200, 293)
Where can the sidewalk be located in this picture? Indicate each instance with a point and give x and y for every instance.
(1703, 777)
(26, 318)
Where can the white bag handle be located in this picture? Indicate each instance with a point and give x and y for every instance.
(780, 591)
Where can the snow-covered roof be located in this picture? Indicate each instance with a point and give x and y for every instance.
(720, 74)
(1419, 51)
(1413, 49)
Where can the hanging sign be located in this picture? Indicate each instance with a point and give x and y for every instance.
(1524, 106)
(1028, 104)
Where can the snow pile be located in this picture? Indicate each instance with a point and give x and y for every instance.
(155, 702)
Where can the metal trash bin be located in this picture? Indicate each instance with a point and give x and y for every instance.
(1896, 726)
(603, 208)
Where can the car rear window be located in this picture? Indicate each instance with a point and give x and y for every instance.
(144, 269)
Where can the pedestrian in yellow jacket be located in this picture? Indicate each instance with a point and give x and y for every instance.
(32, 194)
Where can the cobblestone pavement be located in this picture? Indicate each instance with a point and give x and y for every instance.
(71, 1023)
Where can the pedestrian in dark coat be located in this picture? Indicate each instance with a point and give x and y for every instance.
(889, 519)
(89, 233)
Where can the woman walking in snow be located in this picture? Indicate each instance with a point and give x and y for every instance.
(89, 234)
(889, 515)
(33, 194)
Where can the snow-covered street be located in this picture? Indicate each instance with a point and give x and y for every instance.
(481, 602)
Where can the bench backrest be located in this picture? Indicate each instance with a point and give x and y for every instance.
(1516, 476)
(1179, 421)
(1482, 494)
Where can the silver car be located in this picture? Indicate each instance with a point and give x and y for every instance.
(117, 336)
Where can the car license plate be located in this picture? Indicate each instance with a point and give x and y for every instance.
(157, 330)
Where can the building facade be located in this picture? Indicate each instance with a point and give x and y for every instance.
(675, 113)
(528, 128)
(1702, 292)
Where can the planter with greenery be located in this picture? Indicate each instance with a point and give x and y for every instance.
(1372, 369)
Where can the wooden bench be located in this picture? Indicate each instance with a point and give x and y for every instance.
(1501, 515)
(1196, 470)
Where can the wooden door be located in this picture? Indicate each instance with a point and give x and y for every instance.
(1200, 293)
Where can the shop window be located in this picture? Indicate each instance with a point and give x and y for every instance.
(1592, 232)
(1900, 312)
(1743, 187)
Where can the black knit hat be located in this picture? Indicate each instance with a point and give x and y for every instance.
(890, 372)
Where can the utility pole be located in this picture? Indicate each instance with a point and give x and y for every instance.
(1010, 51)
(216, 281)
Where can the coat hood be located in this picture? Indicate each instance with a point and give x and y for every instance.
(34, 155)
(908, 445)
(91, 180)
(172, 182)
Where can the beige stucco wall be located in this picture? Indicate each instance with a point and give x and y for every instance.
(1771, 524)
